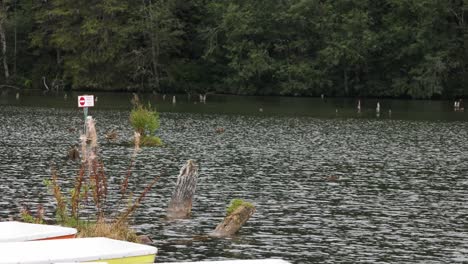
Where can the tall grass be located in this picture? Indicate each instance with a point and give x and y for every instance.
(91, 188)
(29, 217)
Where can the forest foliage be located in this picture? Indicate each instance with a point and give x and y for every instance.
(387, 48)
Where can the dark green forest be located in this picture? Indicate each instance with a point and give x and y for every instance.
(384, 48)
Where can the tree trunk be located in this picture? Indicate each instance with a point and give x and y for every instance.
(345, 77)
(154, 46)
(155, 56)
(181, 201)
(233, 222)
(4, 50)
(15, 50)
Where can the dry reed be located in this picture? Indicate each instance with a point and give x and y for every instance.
(114, 230)
(59, 198)
(76, 193)
(123, 218)
(91, 178)
(136, 149)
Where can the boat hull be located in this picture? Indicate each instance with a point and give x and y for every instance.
(130, 260)
(96, 249)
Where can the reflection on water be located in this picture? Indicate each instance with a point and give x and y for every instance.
(327, 190)
(285, 106)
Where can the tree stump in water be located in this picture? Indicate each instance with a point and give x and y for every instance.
(238, 214)
(73, 153)
(181, 201)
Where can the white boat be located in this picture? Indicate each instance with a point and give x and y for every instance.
(17, 231)
(96, 249)
(255, 261)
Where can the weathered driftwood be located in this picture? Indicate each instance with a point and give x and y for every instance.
(181, 201)
(235, 220)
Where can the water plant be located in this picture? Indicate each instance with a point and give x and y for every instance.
(145, 121)
(151, 141)
(90, 190)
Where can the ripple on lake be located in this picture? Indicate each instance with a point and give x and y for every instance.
(400, 193)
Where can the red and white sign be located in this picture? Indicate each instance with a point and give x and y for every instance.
(86, 101)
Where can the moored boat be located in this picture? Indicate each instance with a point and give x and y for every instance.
(13, 231)
(255, 261)
(96, 249)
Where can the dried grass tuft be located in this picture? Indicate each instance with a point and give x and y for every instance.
(114, 230)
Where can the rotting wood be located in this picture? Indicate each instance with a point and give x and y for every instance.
(182, 198)
(233, 222)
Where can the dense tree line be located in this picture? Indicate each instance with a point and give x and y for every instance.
(394, 48)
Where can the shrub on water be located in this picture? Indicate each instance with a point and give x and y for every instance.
(151, 141)
(144, 120)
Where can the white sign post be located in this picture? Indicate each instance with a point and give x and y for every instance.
(85, 101)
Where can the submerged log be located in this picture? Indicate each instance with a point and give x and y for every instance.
(181, 201)
(238, 214)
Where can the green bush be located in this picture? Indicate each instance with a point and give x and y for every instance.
(150, 141)
(144, 120)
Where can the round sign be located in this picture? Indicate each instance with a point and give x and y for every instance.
(82, 100)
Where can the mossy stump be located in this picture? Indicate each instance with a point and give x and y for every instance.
(237, 215)
(181, 201)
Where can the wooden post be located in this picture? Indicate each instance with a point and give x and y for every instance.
(181, 201)
(234, 220)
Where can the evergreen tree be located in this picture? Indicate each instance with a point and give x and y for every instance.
(396, 48)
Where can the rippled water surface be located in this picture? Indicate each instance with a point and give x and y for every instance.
(327, 190)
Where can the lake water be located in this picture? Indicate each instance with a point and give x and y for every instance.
(399, 195)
